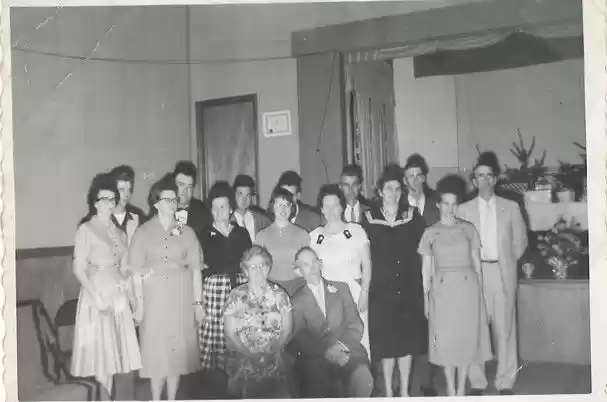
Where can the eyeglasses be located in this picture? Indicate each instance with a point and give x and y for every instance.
(169, 200)
(279, 205)
(256, 267)
(111, 200)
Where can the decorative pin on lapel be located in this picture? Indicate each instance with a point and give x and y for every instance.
(347, 234)
(320, 239)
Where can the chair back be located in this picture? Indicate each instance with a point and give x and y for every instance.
(33, 358)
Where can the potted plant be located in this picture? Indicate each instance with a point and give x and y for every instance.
(525, 176)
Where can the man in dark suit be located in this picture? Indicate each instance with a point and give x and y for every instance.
(247, 215)
(331, 361)
(190, 209)
(305, 216)
(350, 182)
(126, 216)
(420, 195)
(417, 192)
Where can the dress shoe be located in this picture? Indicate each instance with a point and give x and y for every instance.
(429, 391)
(506, 392)
(476, 392)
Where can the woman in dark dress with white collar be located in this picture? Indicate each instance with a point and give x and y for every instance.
(397, 325)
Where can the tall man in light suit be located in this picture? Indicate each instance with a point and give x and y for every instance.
(504, 239)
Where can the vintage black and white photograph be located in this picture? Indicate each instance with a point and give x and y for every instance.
(303, 200)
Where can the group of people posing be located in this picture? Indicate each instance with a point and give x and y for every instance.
(297, 301)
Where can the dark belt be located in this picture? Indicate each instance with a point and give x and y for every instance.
(490, 261)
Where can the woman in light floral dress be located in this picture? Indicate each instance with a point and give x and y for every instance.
(257, 322)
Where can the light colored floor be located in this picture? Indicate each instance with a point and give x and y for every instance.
(533, 379)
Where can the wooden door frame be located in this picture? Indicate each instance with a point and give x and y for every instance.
(200, 106)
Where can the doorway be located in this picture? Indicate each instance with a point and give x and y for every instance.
(226, 130)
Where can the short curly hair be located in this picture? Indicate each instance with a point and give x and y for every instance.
(221, 189)
(252, 252)
(281, 193)
(452, 184)
(331, 189)
(392, 172)
(166, 183)
(101, 181)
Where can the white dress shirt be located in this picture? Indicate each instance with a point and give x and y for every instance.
(294, 218)
(419, 203)
(120, 217)
(319, 294)
(488, 229)
(352, 213)
(247, 221)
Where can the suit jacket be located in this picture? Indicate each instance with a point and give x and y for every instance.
(134, 218)
(199, 218)
(308, 218)
(313, 333)
(511, 238)
(362, 215)
(431, 213)
(260, 220)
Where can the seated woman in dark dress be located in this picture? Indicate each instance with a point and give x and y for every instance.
(223, 245)
(397, 324)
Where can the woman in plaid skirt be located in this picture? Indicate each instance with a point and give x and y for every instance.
(223, 245)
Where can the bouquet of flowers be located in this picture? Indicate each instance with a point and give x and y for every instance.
(563, 247)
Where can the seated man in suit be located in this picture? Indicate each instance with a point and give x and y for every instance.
(350, 182)
(246, 214)
(305, 216)
(330, 359)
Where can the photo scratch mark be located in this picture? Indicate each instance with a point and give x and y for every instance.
(63, 80)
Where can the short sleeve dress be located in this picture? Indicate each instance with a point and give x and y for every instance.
(459, 334)
(341, 256)
(166, 259)
(397, 323)
(105, 342)
(259, 324)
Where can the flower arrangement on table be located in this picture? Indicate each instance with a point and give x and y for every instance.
(561, 250)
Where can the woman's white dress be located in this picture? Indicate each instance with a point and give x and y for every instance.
(341, 255)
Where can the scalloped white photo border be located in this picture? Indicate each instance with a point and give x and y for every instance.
(595, 58)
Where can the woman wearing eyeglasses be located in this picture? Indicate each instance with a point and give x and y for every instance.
(258, 322)
(283, 239)
(105, 342)
(166, 255)
(223, 244)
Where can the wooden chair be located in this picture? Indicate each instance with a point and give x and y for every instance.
(40, 363)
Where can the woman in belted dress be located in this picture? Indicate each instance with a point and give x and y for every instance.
(166, 255)
(105, 342)
(458, 329)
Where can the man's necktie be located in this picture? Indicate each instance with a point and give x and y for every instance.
(352, 215)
